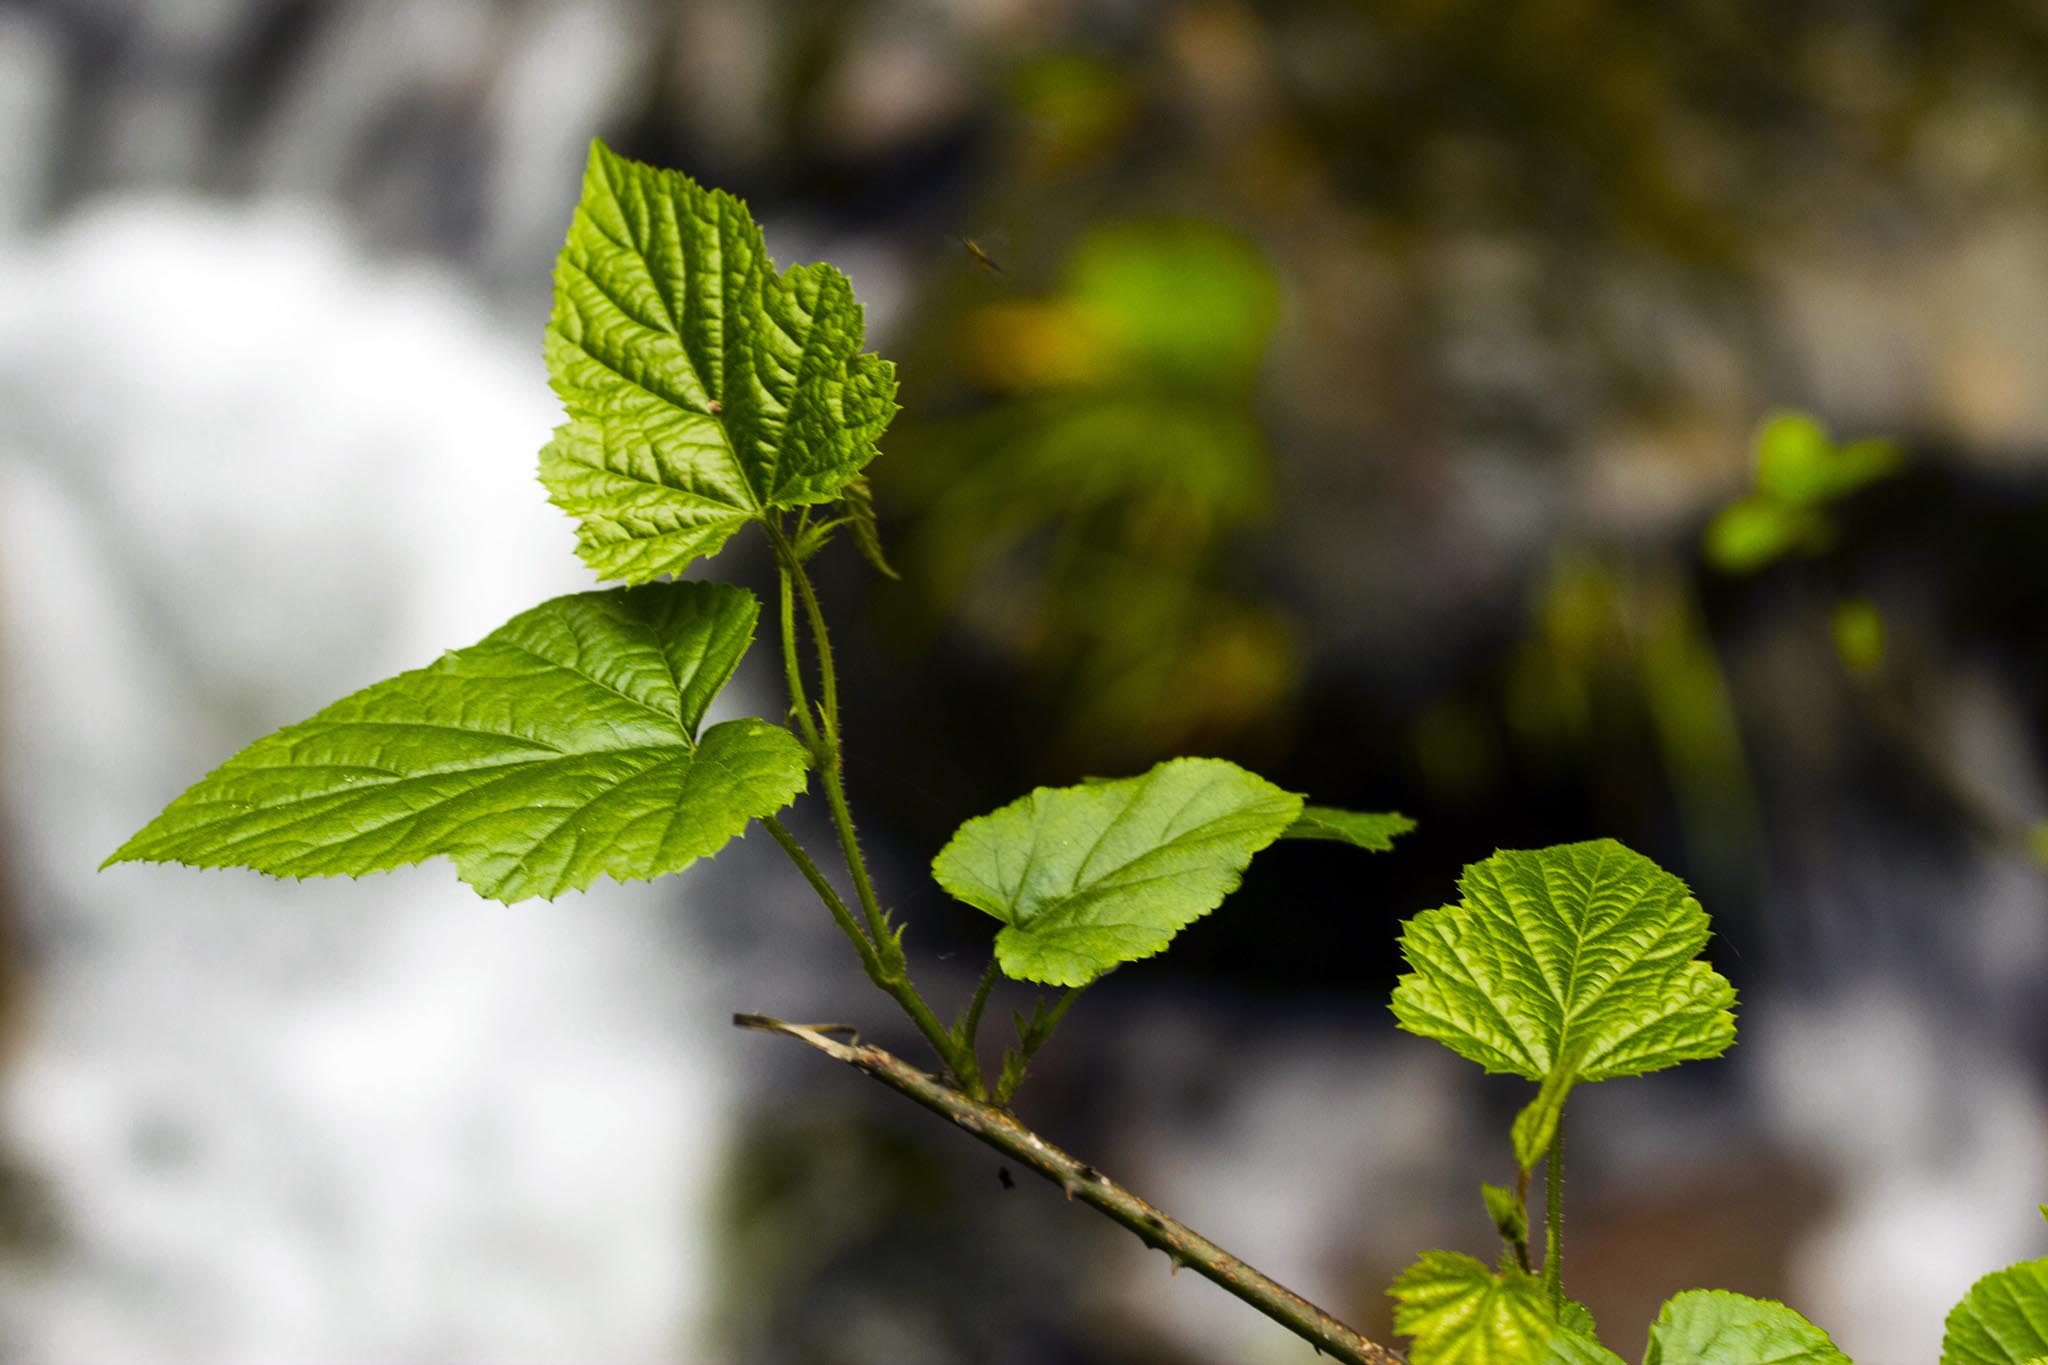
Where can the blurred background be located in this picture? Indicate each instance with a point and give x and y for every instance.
(1369, 393)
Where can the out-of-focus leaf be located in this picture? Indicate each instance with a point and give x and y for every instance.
(1859, 635)
(1754, 533)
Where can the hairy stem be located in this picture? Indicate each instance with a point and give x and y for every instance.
(883, 958)
(1553, 1221)
(970, 1023)
(1182, 1244)
(841, 916)
(792, 666)
(1032, 1036)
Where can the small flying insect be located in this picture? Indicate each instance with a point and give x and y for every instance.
(1003, 1174)
(977, 249)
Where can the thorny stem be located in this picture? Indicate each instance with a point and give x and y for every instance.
(1182, 1244)
(1553, 1221)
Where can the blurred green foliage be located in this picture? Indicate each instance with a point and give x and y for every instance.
(1800, 473)
(1083, 520)
(1618, 667)
(1859, 635)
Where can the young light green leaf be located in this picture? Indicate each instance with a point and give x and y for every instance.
(1087, 877)
(1581, 951)
(1461, 1313)
(859, 497)
(562, 746)
(1373, 830)
(704, 389)
(1714, 1327)
(1578, 1319)
(1536, 1126)
(1510, 1219)
(2003, 1320)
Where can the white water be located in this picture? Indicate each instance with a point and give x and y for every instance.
(243, 468)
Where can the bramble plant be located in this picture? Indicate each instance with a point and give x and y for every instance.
(707, 391)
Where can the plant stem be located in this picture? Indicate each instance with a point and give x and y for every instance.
(883, 955)
(792, 667)
(840, 914)
(970, 1023)
(1182, 1244)
(1553, 1220)
(1033, 1036)
(827, 675)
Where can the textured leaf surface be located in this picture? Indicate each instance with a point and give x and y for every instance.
(1570, 1348)
(1374, 830)
(561, 747)
(1582, 952)
(703, 387)
(1086, 877)
(1713, 1327)
(1462, 1313)
(2003, 1320)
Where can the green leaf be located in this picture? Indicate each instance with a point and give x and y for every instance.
(1714, 1327)
(1461, 1313)
(860, 514)
(1571, 1348)
(562, 746)
(1536, 1126)
(2003, 1320)
(1578, 1319)
(1755, 532)
(1581, 952)
(704, 389)
(1859, 635)
(1087, 877)
(1799, 466)
(1373, 830)
(1510, 1219)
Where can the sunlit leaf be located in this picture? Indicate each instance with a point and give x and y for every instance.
(1584, 954)
(1461, 1313)
(561, 747)
(704, 389)
(1090, 876)
(2003, 1320)
(1373, 830)
(1713, 1327)
(1510, 1219)
(1571, 1348)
